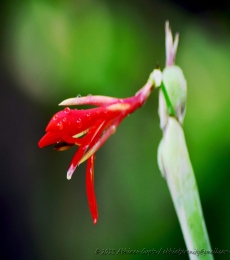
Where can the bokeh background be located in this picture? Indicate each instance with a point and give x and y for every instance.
(52, 50)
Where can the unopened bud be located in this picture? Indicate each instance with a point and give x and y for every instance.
(176, 88)
(156, 78)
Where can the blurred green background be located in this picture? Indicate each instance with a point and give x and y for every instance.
(52, 50)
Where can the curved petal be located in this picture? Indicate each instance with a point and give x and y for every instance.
(83, 148)
(90, 189)
(89, 100)
(109, 131)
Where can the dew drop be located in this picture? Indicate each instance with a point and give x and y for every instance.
(64, 119)
(55, 117)
(67, 110)
(79, 123)
(113, 130)
(60, 125)
(79, 95)
(88, 115)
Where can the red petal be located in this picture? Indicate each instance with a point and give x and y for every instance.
(99, 141)
(48, 139)
(75, 121)
(75, 160)
(83, 148)
(90, 189)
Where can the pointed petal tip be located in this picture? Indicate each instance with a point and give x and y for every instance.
(63, 103)
(166, 24)
(43, 142)
(40, 145)
(70, 173)
(68, 177)
(73, 101)
(95, 221)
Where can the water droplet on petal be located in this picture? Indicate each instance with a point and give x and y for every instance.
(64, 119)
(79, 123)
(66, 110)
(60, 125)
(79, 95)
(88, 115)
(113, 130)
(106, 112)
(55, 117)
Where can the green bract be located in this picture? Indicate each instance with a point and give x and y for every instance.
(176, 88)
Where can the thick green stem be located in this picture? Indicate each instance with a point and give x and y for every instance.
(174, 162)
(173, 157)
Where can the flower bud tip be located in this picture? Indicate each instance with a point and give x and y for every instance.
(156, 78)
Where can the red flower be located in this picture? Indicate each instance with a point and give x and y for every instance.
(89, 129)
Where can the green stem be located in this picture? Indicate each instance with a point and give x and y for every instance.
(174, 162)
(170, 108)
